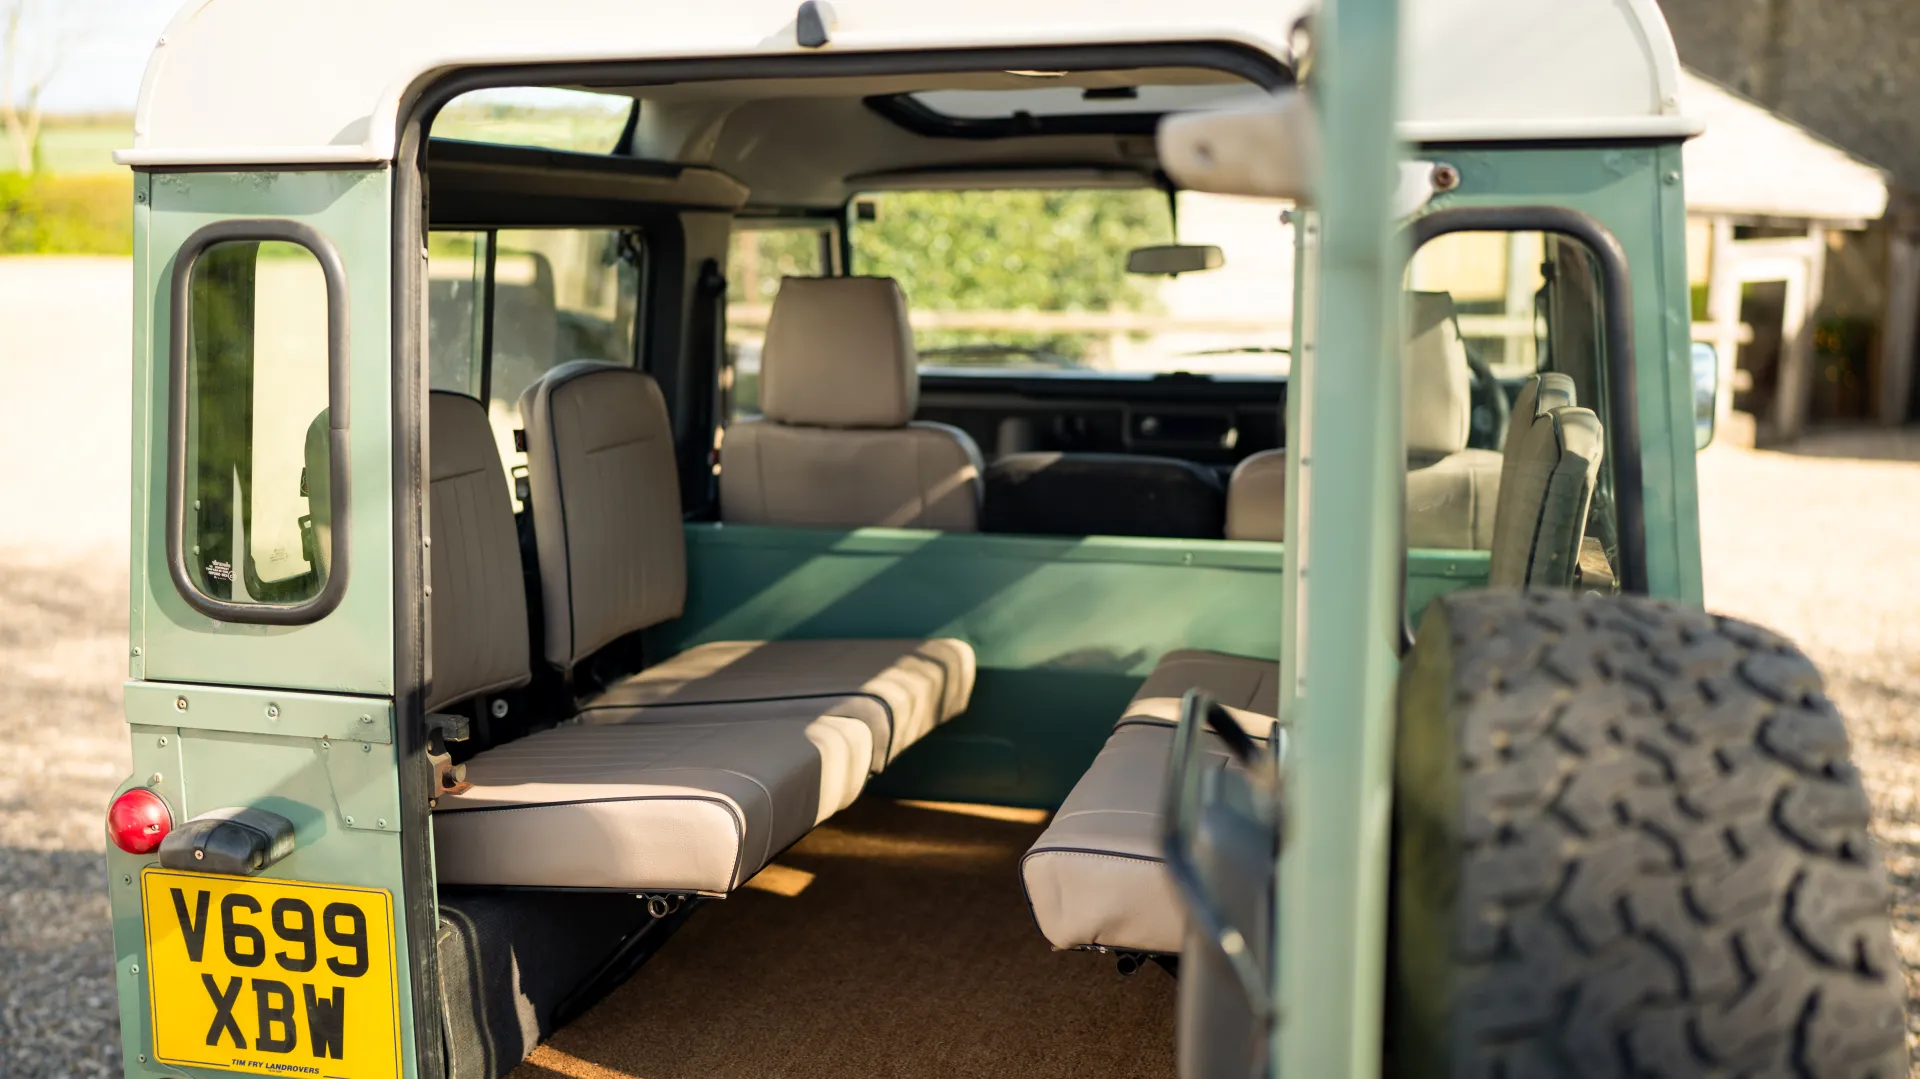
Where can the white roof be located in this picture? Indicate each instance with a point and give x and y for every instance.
(1753, 162)
(267, 82)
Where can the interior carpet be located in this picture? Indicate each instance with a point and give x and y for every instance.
(892, 941)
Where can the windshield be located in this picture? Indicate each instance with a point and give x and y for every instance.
(1036, 281)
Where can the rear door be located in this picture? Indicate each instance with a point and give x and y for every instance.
(262, 673)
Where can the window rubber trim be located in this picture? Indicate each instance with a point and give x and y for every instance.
(1621, 384)
(179, 366)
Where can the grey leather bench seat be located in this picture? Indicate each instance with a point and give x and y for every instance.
(690, 804)
(612, 556)
(670, 807)
(900, 689)
(1096, 877)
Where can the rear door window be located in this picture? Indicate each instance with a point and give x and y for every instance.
(256, 517)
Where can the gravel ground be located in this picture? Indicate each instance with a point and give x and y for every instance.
(1815, 544)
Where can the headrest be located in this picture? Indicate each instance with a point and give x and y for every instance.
(1541, 394)
(1437, 400)
(839, 353)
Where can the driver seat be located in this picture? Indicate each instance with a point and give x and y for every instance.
(1452, 491)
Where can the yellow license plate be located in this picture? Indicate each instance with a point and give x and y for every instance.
(272, 976)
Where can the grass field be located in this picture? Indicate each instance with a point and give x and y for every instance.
(83, 145)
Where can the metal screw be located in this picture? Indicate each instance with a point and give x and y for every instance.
(273, 711)
(381, 823)
(1672, 177)
(324, 744)
(366, 719)
(499, 708)
(153, 780)
(134, 968)
(349, 822)
(142, 1058)
(136, 651)
(366, 747)
(179, 704)
(163, 741)
(1445, 177)
(126, 878)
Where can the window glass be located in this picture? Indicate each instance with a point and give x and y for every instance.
(758, 258)
(548, 118)
(1494, 278)
(456, 309)
(556, 295)
(1038, 280)
(258, 520)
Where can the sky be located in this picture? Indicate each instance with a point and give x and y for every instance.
(104, 45)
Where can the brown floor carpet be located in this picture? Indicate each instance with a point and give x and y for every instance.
(909, 953)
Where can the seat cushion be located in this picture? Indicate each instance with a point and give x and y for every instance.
(1097, 876)
(901, 689)
(647, 807)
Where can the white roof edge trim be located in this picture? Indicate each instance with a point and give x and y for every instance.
(247, 157)
(1606, 127)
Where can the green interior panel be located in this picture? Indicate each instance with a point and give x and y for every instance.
(1065, 629)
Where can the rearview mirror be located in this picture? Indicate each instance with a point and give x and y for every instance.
(1174, 259)
(1706, 387)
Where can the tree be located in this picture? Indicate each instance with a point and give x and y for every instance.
(33, 45)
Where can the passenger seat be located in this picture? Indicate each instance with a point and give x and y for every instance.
(838, 446)
(690, 807)
(1452, 491)
(605, 499)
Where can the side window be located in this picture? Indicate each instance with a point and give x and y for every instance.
(456, 310)
(1518, 302)
(504, 307)
(758, 257)
(1496, 280)
(253, 524)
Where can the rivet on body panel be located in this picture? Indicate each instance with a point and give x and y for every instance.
(179, 704)
(273, 711)
(163, 741)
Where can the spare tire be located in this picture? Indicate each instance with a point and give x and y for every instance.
(1629, 842)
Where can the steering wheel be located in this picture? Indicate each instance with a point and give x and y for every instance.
(1492, 412)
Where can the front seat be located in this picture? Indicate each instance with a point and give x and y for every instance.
(838, 446)
(1452, 491)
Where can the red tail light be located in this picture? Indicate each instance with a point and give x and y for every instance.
(138, 820)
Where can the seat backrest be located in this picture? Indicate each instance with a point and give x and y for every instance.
(1103, 494)
(605, 500)
(837, 446)
(1451, 490)
(479, 599)
(1539, 395)
(1543, 507)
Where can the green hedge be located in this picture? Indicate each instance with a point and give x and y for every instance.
(66, 215)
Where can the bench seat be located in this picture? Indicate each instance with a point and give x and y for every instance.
(1097, 878)
(901, 689)
(684, 806)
